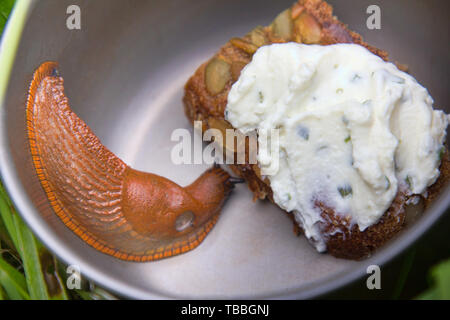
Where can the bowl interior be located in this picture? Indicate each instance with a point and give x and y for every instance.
(124, 73)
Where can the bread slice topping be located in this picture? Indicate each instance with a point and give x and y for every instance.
(353, 130)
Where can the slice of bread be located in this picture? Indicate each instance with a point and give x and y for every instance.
(206, 92)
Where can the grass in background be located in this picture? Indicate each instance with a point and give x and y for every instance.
(5, 9)
(27, 269)
(440, 283)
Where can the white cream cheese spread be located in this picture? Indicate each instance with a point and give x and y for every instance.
(353, 129)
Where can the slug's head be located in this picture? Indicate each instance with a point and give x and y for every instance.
(157, 206)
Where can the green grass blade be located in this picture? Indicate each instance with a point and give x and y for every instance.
(55, 282)
(102, 294)
(6, 214)
(28, 249)
(2, 294)
(95, 294)
(43, 281)
(440, 283)
(13, 281)
(42, 278)
(31, 252)
(4, 235)
(85, 295)
(406, 268)
(430, 294)
(441, 274)
(5, 9)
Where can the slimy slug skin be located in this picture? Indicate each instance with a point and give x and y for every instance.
(125, 213)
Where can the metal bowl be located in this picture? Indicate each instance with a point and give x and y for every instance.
(124, 73)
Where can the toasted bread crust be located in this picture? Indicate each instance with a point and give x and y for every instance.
(343, 239)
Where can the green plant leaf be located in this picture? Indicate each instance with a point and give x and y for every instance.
(440, 287)
(95, 293)
(2, 294)
(5, 9)
(12, 281)
(7, 216)
(85, 295)
(430, 294)
(52, 274)
(4, 235)
(441, 275)
(42, 278)
(408, 262)
(28, 249)
(42, 272)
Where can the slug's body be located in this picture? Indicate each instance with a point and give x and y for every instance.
(120, 211)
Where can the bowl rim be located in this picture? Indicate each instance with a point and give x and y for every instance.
(8, 49)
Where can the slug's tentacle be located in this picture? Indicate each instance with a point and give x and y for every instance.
(120, 211)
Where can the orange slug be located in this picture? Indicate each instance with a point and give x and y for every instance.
(125, 213)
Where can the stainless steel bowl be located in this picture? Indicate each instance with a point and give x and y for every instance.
(124, 73)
